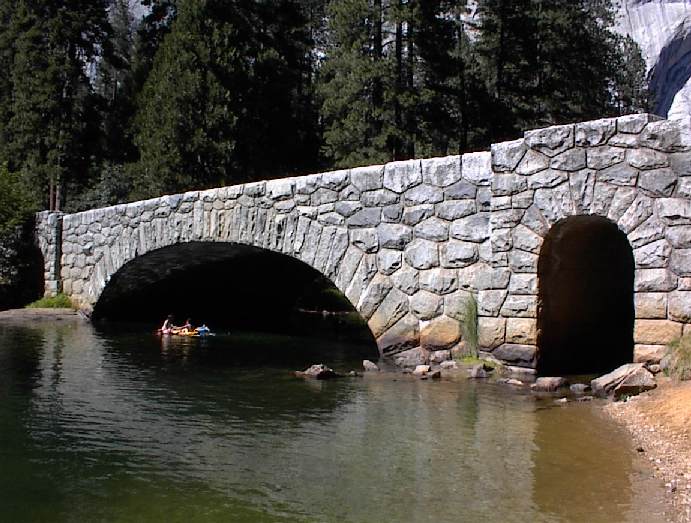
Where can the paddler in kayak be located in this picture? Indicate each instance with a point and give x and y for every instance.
(168, 327)
(187, 328)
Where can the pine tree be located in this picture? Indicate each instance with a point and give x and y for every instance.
(54, 122)
(115, 83)
(6, 57)
(223, 103)
(452, 95)
(548, 62)
(367, 84)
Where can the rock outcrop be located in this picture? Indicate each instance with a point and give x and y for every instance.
(662, 29)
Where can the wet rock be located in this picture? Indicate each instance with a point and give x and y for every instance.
(317, 372)
(515, 353)
(639, 381)
(434, 375)
(585, 398)
(439, 356)
(548, 384)
(412, 357)
(579, 388)
(522, 373)
(478, 372)
(421, 370)
(605, 385)
(561, 400)
(514, 382)
(370, 366)
(450, 364)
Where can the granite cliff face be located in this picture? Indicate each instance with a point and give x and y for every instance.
(662, 29)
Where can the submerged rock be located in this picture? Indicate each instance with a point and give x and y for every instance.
(478, 372)
(434, 374)
(370, 366)
(549, 384)
(317, 372)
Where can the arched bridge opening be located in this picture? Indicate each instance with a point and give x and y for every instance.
(586, 306)
(236, 288)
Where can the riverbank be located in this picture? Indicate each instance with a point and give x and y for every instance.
(38, 314)
(659, 422)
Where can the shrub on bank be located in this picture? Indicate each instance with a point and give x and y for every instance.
(59, 301)
(679, 358)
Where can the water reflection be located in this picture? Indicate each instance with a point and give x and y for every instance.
(120, 426)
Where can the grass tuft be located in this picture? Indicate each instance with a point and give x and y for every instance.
(679, 356)
(59, 301)
(469, 326)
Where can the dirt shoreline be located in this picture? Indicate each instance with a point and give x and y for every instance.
(32, 315)
(659, 422)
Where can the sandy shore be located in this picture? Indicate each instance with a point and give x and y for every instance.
(31, 315)
(660, 424)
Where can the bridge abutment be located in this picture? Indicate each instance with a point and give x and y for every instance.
(49, 240)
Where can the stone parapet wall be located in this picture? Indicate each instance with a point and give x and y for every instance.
(408, 242)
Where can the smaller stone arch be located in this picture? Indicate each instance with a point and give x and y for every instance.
(633, 171)
(585, 314)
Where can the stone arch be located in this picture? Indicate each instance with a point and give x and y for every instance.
(585, 297)
(228, 285)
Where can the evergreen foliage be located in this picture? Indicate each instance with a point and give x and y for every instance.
(548, 62)
(100, 103)
(51, 120)
(225, 100)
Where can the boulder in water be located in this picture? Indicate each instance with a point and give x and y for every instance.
(478, 372)
(317, 372)
(421, 370)
(370, 366)
(548, 384)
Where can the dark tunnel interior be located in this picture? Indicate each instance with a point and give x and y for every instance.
(586, 310)
(231, 288)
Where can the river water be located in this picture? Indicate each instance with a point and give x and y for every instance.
(101, 425)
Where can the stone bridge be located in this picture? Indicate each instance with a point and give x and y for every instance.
(409, 242)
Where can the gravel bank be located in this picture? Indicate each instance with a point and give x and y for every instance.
(660, 424)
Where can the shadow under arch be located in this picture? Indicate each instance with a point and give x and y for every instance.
(231, 286)
(585, 302)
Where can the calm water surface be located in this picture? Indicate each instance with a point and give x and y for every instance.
(101, 426)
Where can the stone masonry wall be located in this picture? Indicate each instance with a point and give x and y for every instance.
(49, 240)
(408, 242)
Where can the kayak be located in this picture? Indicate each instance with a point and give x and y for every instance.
(196, 333)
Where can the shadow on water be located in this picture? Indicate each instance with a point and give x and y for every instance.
(110, 426)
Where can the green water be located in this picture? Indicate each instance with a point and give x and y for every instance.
(100, 426)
